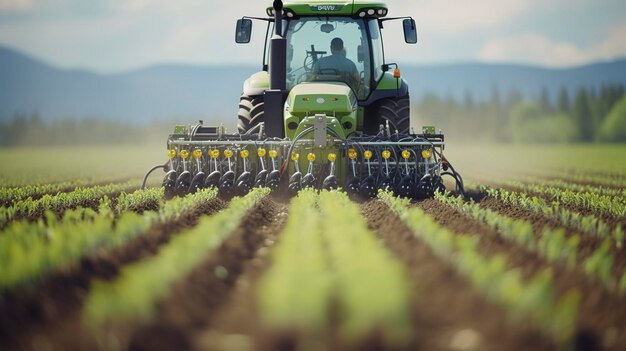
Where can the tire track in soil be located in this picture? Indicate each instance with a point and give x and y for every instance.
(203, 307)
(48, 313)
(600, 312)
(588, 243)
(445, 305)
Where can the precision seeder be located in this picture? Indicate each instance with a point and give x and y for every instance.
(302, 124)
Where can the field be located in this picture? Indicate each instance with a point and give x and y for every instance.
(534, 261)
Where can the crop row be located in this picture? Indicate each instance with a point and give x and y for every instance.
(550, 243)
(10, 195)
(137, 201)
(133, 295)
(82, 197)
(588, 224)
(616, 180)
(602, 204)
(29, 250)
(534, 299)
(565, 185)
(326, 253)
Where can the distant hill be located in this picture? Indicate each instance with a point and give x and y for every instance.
(188, 92)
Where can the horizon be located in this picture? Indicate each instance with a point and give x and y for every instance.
(43, 61)
(110, 36)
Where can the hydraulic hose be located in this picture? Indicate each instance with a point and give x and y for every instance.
(145, 179)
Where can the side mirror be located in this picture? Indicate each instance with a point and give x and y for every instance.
(360, 53)
(410, 31)
(243, 31)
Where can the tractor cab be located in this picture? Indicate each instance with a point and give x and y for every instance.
(326, 41)
(309, 46)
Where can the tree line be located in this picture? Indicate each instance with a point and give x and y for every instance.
(586, 115)
(32, 130)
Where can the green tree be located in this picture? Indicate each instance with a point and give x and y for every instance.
(583, 118)
(544, 100)
(529, 124)
(563, 101)
(614, 126)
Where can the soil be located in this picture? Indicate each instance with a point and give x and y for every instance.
(205, 304)
(601, 311)
(213, 307)
(444, 304)
(588, 243)
(35, 315)
(611, 220)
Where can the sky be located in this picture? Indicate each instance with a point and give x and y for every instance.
(120, 35)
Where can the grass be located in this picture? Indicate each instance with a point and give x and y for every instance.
(37, 165)
(510, 159)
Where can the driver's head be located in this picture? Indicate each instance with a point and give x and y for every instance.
(336, 45)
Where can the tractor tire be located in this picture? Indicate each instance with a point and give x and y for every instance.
(395, 110)
(251, 112)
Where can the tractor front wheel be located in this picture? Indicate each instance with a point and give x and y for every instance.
(396, 111)
(251, 112)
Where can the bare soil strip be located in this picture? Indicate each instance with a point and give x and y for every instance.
(216, 297)
(446, 308)
(601, 313)
(33, 317)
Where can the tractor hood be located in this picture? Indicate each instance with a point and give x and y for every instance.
(332, 99)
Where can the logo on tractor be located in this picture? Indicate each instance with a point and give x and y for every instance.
(320, 100)
(326, 8)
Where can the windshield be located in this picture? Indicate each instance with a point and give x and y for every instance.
(329, 49)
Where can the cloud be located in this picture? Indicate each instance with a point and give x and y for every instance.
(539, 49)
(130, 5)
(16, 5)
(452, 16)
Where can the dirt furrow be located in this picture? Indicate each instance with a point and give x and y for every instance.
(35, 317)
(216, 300)
(447, 312)
(601, 312)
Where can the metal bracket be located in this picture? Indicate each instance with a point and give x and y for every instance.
(319, 131)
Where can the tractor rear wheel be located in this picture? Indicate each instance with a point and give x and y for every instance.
(251, 112)
(395, 110)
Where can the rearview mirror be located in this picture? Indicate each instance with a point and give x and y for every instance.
(410, 31)
(327, 28)
(243, 31)
(360, 53)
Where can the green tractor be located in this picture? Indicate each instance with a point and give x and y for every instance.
(327, 111)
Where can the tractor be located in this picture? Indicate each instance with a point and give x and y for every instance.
(326, 111)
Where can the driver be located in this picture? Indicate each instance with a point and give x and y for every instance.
(337, 63)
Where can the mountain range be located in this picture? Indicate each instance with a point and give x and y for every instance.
(188, 93)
